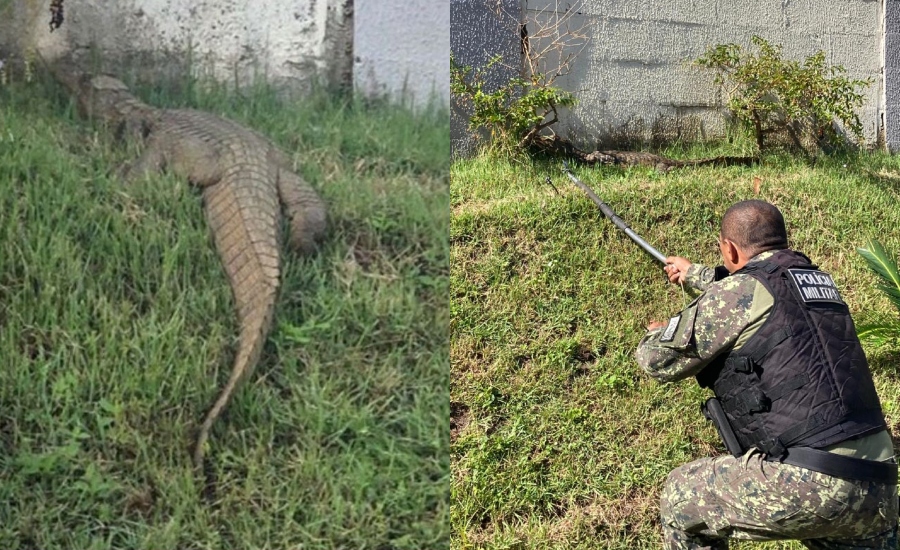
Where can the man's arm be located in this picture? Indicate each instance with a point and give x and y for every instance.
(681, 270)
(700, 276)
(706, 328)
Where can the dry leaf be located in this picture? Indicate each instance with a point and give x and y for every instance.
(756, 183)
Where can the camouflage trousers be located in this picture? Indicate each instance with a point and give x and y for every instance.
(708, 501)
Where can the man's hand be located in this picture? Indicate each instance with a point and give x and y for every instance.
(676, 268)
(655, 325)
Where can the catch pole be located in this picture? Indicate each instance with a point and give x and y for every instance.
(609, 213)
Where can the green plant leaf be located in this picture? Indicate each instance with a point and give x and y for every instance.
(885, 266)
(879, 333)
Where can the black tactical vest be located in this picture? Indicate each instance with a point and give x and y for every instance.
(802, 380)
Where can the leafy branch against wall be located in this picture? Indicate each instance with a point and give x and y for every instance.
(769, 94)
(517, 111)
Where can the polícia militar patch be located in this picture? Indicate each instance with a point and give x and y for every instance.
(669, 334)
(816, 286)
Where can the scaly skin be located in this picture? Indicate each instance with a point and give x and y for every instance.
(245, 180)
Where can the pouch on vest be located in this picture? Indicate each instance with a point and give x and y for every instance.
(679, 331)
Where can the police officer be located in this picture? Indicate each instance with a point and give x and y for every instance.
(810, 455)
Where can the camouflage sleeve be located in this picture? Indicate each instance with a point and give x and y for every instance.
(707, 327)
(699, 276)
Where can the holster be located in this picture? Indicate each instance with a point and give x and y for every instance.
(713, 412)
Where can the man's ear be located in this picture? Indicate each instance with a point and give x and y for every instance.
(729, 249)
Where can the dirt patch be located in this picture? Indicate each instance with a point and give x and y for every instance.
(460, 416)
(141, 501)
(587, 354)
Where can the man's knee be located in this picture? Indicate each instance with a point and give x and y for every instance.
(689, 500)
(680, 488)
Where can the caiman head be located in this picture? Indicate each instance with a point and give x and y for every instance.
(106, 98)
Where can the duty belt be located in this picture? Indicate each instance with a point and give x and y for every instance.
(832, 464)
(836, 465)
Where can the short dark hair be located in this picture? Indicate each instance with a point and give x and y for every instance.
(755, 226)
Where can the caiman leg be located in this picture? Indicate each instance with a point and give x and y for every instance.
(252, 264)
(178, 152)
(304, 209)
(152, 161)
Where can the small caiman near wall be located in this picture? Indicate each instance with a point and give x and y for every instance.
(627, 159)
(661, 163)
(246, 180)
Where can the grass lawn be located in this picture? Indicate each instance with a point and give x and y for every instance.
(117, 332)
(558, 440)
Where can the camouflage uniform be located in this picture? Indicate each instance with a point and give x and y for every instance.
(711, 499)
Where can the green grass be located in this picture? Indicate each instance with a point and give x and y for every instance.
(558, 440)
(117, 332)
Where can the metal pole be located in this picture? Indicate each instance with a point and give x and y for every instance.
(609, 213)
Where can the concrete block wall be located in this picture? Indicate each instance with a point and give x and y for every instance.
(891, 53)
(635, 81)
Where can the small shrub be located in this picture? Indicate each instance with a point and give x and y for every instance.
(769, 94)
(515, 113)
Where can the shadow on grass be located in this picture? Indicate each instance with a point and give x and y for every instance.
(885, 363)
(883, 179)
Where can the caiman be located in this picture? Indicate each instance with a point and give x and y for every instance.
(246, 180)
(662, 164)
(557, 145)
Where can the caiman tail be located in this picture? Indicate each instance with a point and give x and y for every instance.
(243, 220)
(253, 338)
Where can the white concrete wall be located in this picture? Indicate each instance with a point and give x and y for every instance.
(635, 79)
(290, 40)
(394, 47)
(402, 48)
